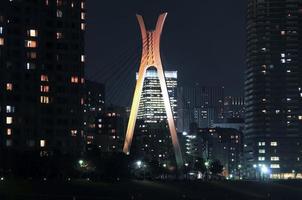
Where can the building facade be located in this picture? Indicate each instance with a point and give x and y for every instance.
(223, 144)
(94, 109)
(199, 104)
(152, 108)
(42, 75)
(273, 97)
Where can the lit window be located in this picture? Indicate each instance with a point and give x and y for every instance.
(59, 35)
(82, 5)
(1, 29)
(74, 79)
(46, 2)
(44, 88)
(59, 13)
(30, 66)
(261, 158)
(82, 15)
(1, 41)
(300, 117)
(44, 99)
(30, 44)
(82, 58)
(32, 33)
(82, 26)
(261, 144)
(277, 111)
(274, 158)
(282, 32)
(274, 144)
(261, 150)
(9, 120)
(44, 78)
(10, 109)
(74, 132)
(42, 143)
(275, 166)
(9, 86)
(9, 131)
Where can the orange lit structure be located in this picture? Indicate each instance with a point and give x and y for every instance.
(151, 58)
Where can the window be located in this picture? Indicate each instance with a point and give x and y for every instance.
(82, 15)
(9, 131)
(9, 120)
(59, 35)
(261, 150)
(1, 41)
(44, 99)
(44, 78)
(10, 109)
(9, 86)
(59, 14)
(73, 133)
(30, 66)
(274, 158)
(261, 158)
(74, 79)
(59, 3)
(32, 33)
(82, 58)
(42, 143)
(9, 143)
(274, 144)
(275, 166)
(44, 88)
(31, 55)
(261, 144)
(1, 29)
(82, 5)
(82, 26)
(30, 44)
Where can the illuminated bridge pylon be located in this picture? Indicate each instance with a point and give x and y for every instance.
(151, 58)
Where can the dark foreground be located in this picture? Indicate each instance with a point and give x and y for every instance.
(123, 190)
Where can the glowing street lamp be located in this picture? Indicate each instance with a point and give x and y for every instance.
(264, 169)
(81, 162)
(139, 163)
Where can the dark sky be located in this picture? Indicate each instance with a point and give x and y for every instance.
(204, 40)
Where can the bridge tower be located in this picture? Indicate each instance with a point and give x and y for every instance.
(151, 58)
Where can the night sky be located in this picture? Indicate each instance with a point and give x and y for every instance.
(204, 40)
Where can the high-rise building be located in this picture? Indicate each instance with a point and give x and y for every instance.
(273, 94)
(223, 144)
(233, 108)
(42, 75)
(110, 136)
(152, 108)
(199, 104)
(94, 109)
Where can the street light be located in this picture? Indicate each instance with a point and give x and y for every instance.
(139, 163)
(81, 162)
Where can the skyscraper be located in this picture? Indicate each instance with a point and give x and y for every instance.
(94, 109)
(273, 96)
(152, 108)
(202, 105)
(42, 75)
